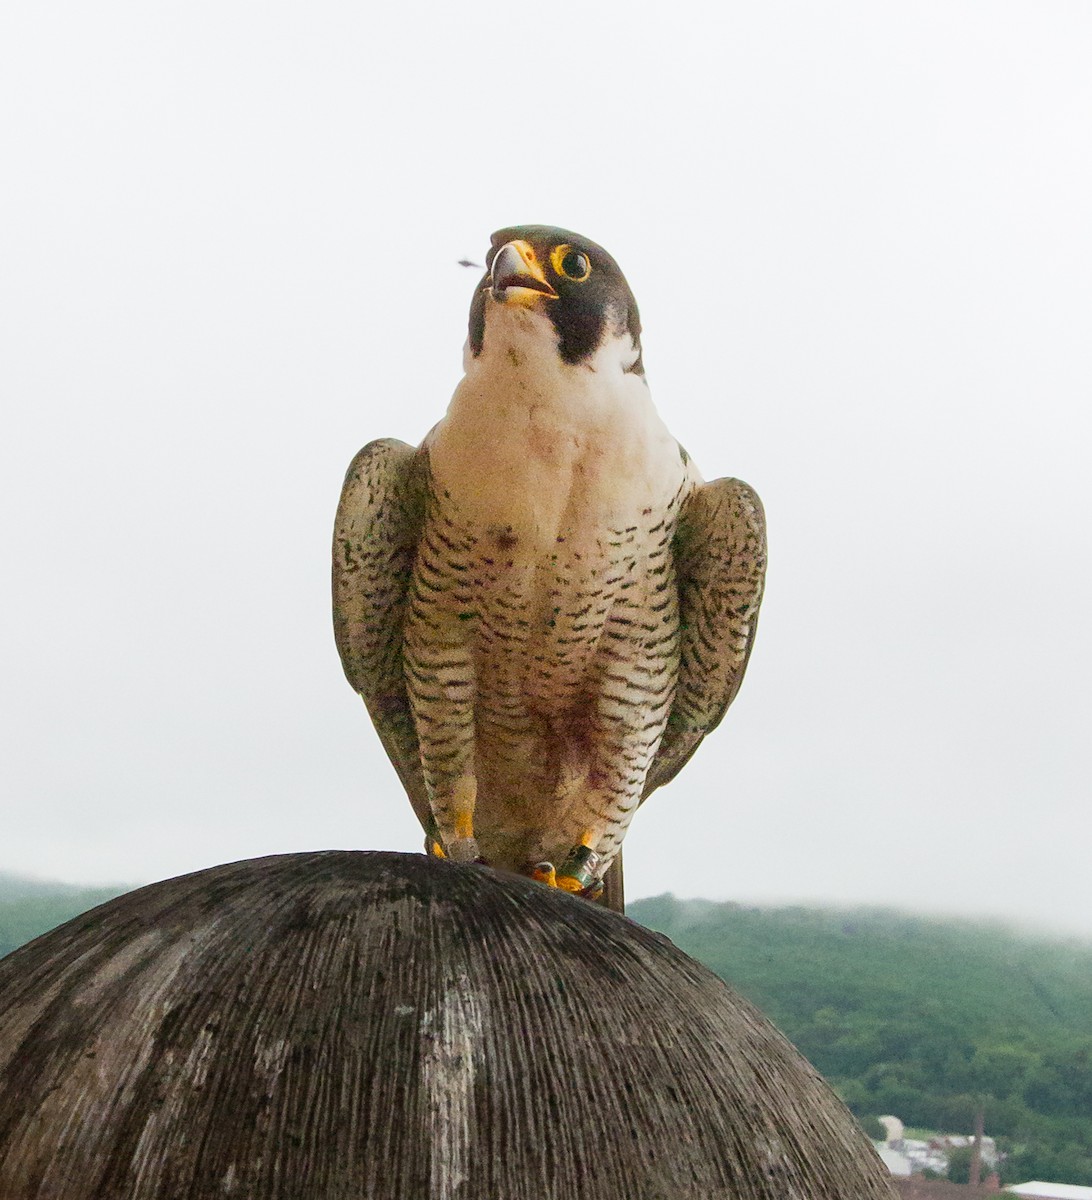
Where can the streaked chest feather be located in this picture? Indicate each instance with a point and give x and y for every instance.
(541, 623)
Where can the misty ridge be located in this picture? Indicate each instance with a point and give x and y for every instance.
(921, 1017)
(31, 907)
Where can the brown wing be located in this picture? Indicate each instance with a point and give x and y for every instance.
(720, 568)
(378, 526)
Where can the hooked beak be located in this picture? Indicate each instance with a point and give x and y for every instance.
(516, 276)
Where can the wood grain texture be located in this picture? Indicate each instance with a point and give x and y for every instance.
(388, 1027)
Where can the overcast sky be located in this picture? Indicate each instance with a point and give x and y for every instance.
(861, 238)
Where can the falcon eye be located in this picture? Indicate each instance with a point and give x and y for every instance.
(570, 263)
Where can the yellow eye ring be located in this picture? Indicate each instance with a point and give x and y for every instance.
(569, 263)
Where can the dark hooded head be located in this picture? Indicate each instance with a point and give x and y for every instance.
(574, 282)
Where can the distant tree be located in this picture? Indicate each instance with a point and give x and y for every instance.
(855, 1095)
(873, 1128)
(1009, 1118)
(1066, 1162)
(959, 1164)
(957, 1113)
(1062, 1083)
(1001, 1069)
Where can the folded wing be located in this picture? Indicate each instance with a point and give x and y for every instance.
(376, 533)
(720, 567)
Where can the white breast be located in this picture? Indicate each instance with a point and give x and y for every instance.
(549, 448)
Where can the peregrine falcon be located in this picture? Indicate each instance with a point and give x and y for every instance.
(544, 606)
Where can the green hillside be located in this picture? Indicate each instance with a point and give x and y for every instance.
(29, 907)
(920, 1017)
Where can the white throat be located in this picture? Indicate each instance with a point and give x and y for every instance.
(545, 446)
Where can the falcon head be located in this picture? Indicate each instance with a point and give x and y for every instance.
(564, 278)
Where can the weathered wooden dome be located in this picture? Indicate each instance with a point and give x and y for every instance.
(354, 1026)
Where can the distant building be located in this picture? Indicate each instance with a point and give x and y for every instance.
(894, 1160)
(900, 1151)
(1051, 1191)
(924, 1156)
(895, 1128)
(948, 1143)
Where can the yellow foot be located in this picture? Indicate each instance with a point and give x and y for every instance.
(544, 872)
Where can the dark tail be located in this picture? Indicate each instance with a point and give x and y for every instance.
(613, 896)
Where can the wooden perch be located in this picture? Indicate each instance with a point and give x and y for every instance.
(364, 1026)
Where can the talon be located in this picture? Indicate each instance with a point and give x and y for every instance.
(579, 874)
(544, 872)
(433, 845)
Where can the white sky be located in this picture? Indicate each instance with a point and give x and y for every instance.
(861, 238)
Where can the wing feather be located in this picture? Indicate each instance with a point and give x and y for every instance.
(720, 569)
(376, 533)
